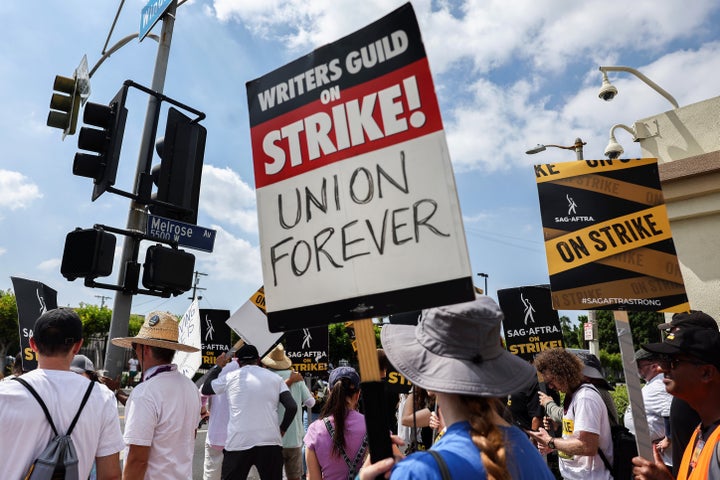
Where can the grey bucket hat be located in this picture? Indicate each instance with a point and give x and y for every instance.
(457, 349)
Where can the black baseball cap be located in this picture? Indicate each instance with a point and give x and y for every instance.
(693, 317)
(702, 343)
(59, 326)
(247, 353)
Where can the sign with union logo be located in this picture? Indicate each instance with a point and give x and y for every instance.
(607, 237)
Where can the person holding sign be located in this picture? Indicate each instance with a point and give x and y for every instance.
(455, 351)
(692, 372)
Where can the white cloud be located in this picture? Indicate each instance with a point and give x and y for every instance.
(50, 265)
(16, 190)
(227, 198)
(233, 259)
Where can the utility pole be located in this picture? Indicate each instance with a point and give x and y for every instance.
(102, 300)
(195, 287)
(137, 215)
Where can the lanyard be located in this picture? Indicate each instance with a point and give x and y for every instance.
(164, 368)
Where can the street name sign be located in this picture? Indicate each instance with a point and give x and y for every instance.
(150, 15)
(185, 234)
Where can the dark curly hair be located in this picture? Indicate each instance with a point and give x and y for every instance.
(562, 365)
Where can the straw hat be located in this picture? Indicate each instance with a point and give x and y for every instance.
(277, 359)
(160, 329)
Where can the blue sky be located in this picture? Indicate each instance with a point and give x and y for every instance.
(509, 75)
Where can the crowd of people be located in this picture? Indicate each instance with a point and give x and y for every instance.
(475, 411)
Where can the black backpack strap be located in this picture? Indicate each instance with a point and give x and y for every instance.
(45, 409)
(359, 457)
(82, 405)
(600, 452)
(444, 471)
(353, 466)
(40, 401)
(605, 460)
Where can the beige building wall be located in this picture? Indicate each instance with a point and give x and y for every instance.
(686, 142)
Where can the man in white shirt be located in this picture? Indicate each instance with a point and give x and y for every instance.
(57, 338)
(278, 362)
(133, 364)
(163, 411)
(254, 435)
(656, 399)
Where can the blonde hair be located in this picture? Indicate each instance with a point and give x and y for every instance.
(486, 435)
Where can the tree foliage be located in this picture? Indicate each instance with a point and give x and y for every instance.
(9, 333)
(643, 327)
(340, 343)
(96, 320)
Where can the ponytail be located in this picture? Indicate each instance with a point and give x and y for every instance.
(486, 436)
(336, 405)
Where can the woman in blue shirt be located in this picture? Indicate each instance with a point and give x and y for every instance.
(455, 352)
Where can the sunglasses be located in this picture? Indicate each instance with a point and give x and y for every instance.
(671, 363)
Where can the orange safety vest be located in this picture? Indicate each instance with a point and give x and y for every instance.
(702, 467)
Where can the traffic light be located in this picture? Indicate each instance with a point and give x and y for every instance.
(168, 269)
(177, 177)
(64, 105)
(88, 253)
(105, 143)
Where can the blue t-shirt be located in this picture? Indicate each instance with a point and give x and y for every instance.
(463, 458)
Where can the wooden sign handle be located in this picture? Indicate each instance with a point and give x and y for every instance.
(373, 392)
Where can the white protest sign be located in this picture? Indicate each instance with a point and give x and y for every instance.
(357, 205)
(250, 323)
(189, 334)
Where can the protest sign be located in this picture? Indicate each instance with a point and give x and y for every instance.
(607, 236)
(357, 206)
(250, 323)
(530, 325)
(33, 298)
(308, 349)
(189, 334)
(215, 335)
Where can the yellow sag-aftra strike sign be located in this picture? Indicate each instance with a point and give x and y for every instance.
(607, 236)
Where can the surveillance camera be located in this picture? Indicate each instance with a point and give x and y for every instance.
(614, 151)
(607, 92)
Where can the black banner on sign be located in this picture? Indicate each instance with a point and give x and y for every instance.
(33, 298)
(308, 350)
(215, 335)
(531, 325)
(396, 382)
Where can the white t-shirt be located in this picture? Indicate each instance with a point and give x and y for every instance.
(586, 413)
(133, 364)
(253, 395)
(657, 405)
(163, 412)
(219, 412)
(25, 432)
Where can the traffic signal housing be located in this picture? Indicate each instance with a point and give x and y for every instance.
(64, 105)
(104, 142)
(177, 177)
(168, 270)
(88, 254)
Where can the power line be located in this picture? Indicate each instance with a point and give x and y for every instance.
(102, 300)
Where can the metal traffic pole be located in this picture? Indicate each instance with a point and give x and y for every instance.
(115, 356)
